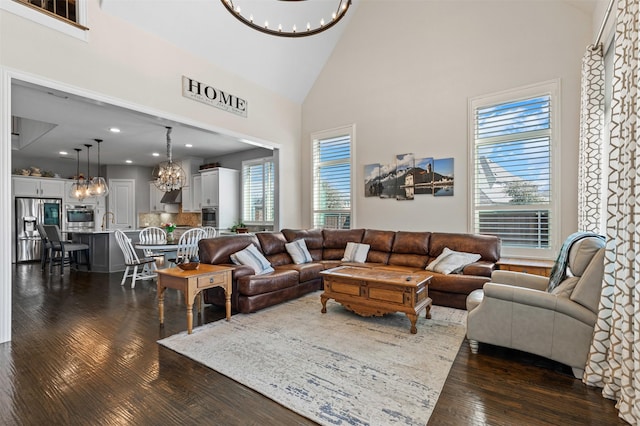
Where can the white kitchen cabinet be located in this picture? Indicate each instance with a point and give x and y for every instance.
(155, 195)
(210, 182)
(196, 193)
(221, 188)
(155, 201)
(37, 187)
(187, 203)
(190, 166)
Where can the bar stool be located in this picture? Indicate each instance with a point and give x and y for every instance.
(64, 252)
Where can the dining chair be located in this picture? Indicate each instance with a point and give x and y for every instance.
(64, 252)
(188, 245)
(45, 246)
(210, 232)
(133, 262)
(153, 235)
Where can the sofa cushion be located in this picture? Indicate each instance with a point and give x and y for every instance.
(272, 245)
(356, 252)
(487, 246)
(306, 271)
(380, 245)
(272, 242)
(251, 256)
(218, 250)
(298, 251)
(335, 241)
(312, 238)
(410, 249)
(260, 284)
(452, 261)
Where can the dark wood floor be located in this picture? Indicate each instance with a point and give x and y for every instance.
(84, 352)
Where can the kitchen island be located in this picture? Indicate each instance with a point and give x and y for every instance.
(104, 250)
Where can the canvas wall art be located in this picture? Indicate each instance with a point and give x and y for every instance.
(404, 177)
(443, 177)
(372, 185)
(423, 176)
(388, 180)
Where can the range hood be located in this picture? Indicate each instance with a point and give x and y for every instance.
(172, 197)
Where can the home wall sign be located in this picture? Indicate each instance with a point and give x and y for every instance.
(209, 95)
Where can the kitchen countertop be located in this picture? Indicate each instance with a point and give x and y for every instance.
(106, 231)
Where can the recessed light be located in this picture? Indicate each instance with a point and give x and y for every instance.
(114, 130)
(63, 153)
(155, 154)
(128, 161)
(188, 145)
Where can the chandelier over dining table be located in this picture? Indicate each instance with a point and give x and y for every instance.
(288, 18)
(169, 176)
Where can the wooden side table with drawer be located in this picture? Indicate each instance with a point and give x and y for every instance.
(191, 283)
(530, 266)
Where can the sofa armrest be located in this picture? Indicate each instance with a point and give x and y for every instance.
(520, 279)
(539, 299)
(482, 268)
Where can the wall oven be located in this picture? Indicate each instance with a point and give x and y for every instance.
(210, 216)
(80, 218)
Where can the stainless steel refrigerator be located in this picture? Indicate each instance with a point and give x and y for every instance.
(30, 212)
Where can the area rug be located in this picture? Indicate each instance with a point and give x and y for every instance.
(336, 368)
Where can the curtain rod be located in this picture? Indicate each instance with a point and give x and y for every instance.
(596, 44)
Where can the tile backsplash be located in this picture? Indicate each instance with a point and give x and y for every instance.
(181, 219)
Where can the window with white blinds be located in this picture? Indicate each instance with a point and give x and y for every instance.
(258, 191)
(513, 183)
(332, 189)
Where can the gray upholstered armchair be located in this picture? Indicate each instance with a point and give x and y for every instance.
(515, 310)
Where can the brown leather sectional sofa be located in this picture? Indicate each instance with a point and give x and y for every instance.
(398, 250)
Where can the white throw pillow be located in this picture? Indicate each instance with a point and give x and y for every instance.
(298, 251)
(356, 252)
(450, 261)
(252, 257)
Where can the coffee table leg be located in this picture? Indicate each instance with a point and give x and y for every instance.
(324, 299)
(227, 303)
(413, 318)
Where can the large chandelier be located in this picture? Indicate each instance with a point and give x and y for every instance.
(335, 11)
(168, 175)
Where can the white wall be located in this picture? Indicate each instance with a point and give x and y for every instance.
(404, 75)
(131, 68)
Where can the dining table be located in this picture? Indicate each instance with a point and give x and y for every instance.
(166, 249)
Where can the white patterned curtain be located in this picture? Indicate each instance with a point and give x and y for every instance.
(591, 141)
(614, 358)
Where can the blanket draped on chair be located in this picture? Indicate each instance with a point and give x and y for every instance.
(559, 270)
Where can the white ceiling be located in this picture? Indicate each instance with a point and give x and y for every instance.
(287, 66)
(52, 121)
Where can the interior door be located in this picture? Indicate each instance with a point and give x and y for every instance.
(122, 196)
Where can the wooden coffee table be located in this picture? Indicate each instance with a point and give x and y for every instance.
(191, 283)
(374, 292)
